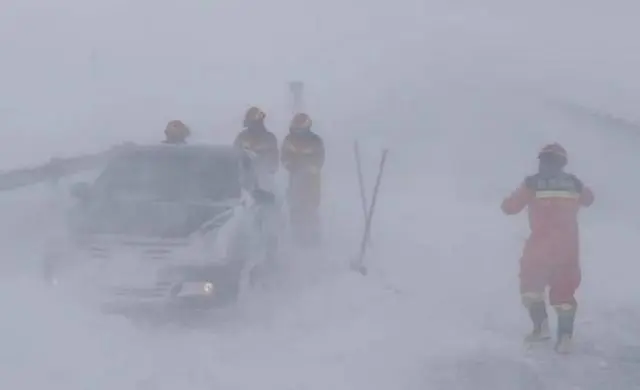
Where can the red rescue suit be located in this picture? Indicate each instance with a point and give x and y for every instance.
(551, 253)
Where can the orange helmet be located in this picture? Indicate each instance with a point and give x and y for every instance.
(176, 130)
(301, 121)
(554, 151)
(253, 115)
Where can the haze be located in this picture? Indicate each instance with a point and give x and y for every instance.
(458, 91)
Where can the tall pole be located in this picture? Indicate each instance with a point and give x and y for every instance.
(297, 94)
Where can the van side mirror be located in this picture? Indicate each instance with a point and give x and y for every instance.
(263, 197)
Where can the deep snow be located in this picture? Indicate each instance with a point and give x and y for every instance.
(453, 90)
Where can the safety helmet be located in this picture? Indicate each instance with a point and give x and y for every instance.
(177, 130)
(253, 115)
(301, 121)
(553, 151)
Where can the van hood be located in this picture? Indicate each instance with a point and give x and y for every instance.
(143, 218)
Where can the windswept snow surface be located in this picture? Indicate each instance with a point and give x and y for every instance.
(440, 308)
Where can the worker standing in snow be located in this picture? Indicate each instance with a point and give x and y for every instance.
(176, 133)
(303, 156)
(256, 138)
(551, 253)
(263, 144)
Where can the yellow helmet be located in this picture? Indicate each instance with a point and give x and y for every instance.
(253, 115)
(300, 121)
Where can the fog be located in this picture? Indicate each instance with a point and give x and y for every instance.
(97, 70)
(458, 90)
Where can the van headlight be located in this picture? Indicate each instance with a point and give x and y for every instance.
(208, 288)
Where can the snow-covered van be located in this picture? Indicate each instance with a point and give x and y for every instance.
(166, 226)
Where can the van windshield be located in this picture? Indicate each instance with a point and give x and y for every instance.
(168, 175)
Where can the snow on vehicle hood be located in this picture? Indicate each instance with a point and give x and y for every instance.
(144, 218)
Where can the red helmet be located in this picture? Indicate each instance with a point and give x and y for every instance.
(177, 130)
(301, 121)
(554, 151)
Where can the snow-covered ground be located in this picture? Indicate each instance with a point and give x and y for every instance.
(440, 308)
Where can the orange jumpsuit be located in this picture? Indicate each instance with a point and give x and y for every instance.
(303, 156)
(551, 253)
(263, 143)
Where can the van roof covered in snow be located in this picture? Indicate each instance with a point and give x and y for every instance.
(178, 149)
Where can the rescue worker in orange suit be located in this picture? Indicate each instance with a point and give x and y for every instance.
(303, 156)
(176, 133)
(256, 138)
(551, 254)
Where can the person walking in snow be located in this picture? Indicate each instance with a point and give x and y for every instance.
(551, 254)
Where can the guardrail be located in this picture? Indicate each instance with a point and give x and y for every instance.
(595, 116)
(55, 169)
